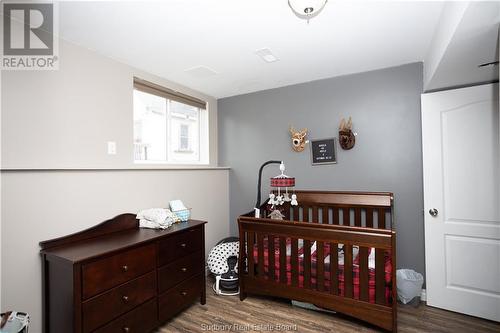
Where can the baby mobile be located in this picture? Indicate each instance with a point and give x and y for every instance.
(276, 201)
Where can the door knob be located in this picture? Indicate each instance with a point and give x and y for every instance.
(434, 212)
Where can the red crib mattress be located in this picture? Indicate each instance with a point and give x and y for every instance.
(355, 270)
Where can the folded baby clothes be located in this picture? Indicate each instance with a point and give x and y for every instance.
(156, 218)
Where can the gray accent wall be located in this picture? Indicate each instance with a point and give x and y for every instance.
(385, 108)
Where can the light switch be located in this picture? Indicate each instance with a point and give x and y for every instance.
(111, 148)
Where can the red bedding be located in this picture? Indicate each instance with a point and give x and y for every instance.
(356, 289)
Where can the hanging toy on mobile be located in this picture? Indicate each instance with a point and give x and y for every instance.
(280, 195)
(277, 197)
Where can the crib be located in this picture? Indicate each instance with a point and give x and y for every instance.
(336, 250)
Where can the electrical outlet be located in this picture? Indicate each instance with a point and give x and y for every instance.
(111, 148)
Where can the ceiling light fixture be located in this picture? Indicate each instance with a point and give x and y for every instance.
(307, 9)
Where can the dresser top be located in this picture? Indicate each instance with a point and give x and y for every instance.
(113, 235)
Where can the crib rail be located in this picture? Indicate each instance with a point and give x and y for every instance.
(308, 281)
(360, 209)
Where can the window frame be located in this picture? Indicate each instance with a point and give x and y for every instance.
(175, 96)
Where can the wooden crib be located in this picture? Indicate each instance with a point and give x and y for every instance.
(299, 258)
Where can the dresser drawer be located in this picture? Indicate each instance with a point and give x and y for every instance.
(101, 309)
(141, 320)
(101, 275)
(179, 270)
(179, 297)
(179, 245)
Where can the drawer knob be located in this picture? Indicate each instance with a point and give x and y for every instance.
(125, 299)
(184, 269)
(125, 268)
(184, 293)
(183, 245)
(126, 329)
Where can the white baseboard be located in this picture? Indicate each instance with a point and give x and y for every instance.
(423, 296)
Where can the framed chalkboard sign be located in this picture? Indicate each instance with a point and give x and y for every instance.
(324, 151)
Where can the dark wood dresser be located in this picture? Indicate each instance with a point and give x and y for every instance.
(117, 277)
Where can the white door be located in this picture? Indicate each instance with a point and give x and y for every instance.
(461, 149)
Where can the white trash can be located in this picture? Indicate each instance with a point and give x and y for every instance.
(409, 284)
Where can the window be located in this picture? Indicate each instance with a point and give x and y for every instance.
(169, 127)
(184, 137)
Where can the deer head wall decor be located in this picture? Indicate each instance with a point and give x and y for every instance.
(347, 139)
(298, 139)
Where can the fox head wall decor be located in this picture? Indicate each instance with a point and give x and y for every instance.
(346, 136)
(298, 139)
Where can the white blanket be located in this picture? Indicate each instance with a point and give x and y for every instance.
(156, 218)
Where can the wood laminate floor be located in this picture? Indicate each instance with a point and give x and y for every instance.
(264, 314)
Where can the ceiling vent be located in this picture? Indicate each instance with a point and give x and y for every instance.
(266, 55)
(201, 72)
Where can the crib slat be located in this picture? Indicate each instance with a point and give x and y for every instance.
(242, 252)
(320, 267)
(315, 214)
(326, 213)
(270, 255)
(305, 213)
(357, 217)
(334, 267)
(307, 264)
(335, 216)
(348, 270)
(369, 217)
(363, 274)
(295, 213)
(282, 260)
(260, 258)
(250, 243)
(379, 276)
(295, 264)
(286, 211)
(381, 218)
(347, 216)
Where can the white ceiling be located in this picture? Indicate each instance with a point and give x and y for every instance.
(167, 38)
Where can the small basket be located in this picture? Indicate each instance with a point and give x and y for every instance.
(183, 215)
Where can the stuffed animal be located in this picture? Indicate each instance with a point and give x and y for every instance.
(272, 202)
(276, 215)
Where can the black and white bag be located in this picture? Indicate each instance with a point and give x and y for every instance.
(14, 322)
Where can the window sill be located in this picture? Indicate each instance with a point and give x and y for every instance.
(184, 151)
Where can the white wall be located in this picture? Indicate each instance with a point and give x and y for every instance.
(42, 205)
(63, 119)
(0, 196)
(449, 21)
(57, 177)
